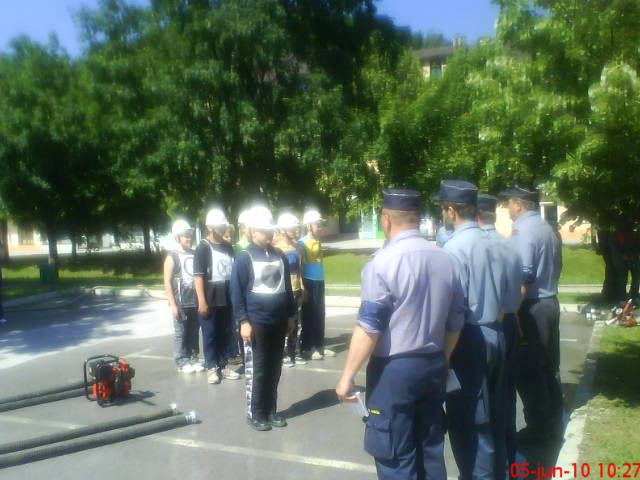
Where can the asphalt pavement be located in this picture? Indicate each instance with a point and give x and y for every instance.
(45, 346)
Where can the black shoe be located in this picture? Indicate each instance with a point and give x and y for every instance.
(259, 425)
(277, 421)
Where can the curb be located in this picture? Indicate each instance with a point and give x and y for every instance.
(574, 432)
(41, 297)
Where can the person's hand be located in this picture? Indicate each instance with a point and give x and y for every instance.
(175, 312)
(292, 326)
(203, 309)
(345, 390)
(246, 331)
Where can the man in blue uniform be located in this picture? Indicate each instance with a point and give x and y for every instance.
(476, 413)
(409, 321)
(263, 307)
(538, 378)
(486, 216)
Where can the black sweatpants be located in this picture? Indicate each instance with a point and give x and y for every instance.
(313, 317)
(267, 367)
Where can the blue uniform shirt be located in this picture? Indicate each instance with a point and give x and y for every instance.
(540, 252)
(490, 284)
(512, 262)
(410, 296)
(442, 236)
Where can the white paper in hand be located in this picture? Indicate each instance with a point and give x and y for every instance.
(453, 384)
(360, 407)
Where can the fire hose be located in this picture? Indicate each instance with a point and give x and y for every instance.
(96, 440)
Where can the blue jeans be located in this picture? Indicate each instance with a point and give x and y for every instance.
(217, 332)
(185, 342)
(1, 307)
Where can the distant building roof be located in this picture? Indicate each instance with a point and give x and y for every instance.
(438, 53)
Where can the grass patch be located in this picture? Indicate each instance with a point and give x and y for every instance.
(581, 265)
(22, 276)
(611, 431)
(344, 268)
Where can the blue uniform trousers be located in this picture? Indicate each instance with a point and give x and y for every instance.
(475, 414)
(217, 331)
(404, 431)
(512, 341)
(538, 375)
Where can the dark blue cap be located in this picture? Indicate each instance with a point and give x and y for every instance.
(487, 203)
(457, 191)
(401, 199)
(529, 194)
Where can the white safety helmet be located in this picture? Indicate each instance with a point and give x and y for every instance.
(288, 221)
(244, 217)
(216, 218)
(180, 227)
(261, 218)
(312, 216)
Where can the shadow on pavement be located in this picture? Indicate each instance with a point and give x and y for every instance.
(317, 401)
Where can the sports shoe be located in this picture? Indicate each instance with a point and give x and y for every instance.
(212, 376)
(300, 360)
(317, 356)
(277, 421)
(197, 366)
(287, 362)
(329, 353)
(186, 368)
(259, 425)
(230, 374)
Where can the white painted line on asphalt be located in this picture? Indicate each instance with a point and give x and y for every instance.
(39, 422)
(569, 340)
(271, 455)
(148, 357)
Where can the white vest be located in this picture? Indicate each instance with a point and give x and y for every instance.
(221, 265)
(268, 276)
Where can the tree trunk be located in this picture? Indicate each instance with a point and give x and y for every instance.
(4, 240)
(74, 246)
(147, 239)
(52, 237)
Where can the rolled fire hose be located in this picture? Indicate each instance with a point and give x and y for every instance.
(88, 430)
(53, 397)
(41, 393)
(96, 440)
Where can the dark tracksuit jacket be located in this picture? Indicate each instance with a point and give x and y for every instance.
(261, 294)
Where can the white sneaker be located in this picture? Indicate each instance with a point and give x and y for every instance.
(197, 367)
(317, 356)
(230, 374)
(300, 360)
(186, 368)
(286, 362)
(329, 353)
(212, 376)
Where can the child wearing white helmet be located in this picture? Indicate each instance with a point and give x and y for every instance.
(245, 237)
(313, 308)
(263, 307)
(179, 286)
(289, 227)
(213, 262)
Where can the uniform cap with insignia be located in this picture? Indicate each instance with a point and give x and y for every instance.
(242, 218)
(401, 199)
(457, 191)
(528, 194)
(487, 203)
